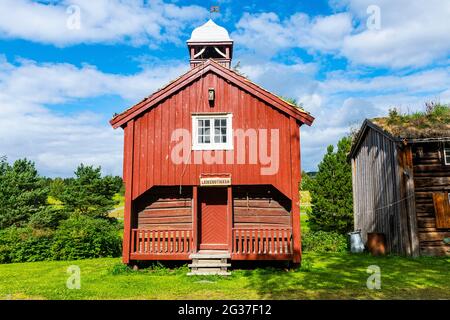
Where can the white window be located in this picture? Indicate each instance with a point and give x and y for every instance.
(213, 131)
(447, 153)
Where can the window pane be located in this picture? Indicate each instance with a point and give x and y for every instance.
(207, 139)
(207, 123)
(224, 122)
(224, 139)
(217, 123)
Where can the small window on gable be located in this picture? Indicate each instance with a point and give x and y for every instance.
(447, 153)
(212, 131)
(441, 202)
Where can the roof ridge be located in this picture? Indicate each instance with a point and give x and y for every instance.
(119, 119)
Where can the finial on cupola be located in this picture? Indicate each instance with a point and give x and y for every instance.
(210, 41)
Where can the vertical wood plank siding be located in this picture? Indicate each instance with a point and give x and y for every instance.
(430, 175)
(376, 191)
(152, 164)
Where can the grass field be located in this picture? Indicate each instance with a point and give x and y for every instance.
(324, 276)
(321, 276)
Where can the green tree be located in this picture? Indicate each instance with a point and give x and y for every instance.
(57, 187)
(331, 191)
(89, 193)
(23, 193)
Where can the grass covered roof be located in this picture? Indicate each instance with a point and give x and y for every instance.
(434, 122)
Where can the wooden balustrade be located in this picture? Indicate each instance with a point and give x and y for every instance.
(264, 241)
(161, 242)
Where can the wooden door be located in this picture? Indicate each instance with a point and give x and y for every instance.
(213, 224)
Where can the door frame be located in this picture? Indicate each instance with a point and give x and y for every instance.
(195, 217)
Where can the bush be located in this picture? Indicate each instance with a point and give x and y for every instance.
(25, 245)
(322, 241)
(82, 237)
(48, 218)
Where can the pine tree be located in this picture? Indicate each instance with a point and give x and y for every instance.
(23, 193)
(89, 193)
(331, 191)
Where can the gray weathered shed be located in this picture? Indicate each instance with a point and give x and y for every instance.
(401, 185)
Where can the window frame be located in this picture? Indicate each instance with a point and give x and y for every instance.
(446, 146)
(212, 145)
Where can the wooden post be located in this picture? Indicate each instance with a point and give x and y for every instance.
(230, 218)
(295, 180)
(128, 178)
(411, 202)
(194, 218)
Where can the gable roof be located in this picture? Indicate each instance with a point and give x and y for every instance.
(411, 129)
(358, 138)
(432, 124)
(230, 75)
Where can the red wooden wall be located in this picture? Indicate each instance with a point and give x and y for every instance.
(151, 134)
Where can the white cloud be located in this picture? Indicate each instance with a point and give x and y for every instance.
(412, 34)
(58, 141)
(266, 34)
(342, 100)
(109, 21)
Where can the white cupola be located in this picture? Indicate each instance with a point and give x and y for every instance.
(210, 41)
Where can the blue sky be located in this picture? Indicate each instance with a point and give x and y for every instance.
(60, 84)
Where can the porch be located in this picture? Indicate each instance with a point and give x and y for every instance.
(180, 243)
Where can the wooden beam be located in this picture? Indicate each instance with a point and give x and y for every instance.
(168, 256)
(295, 181)
(411, 202)
(128, 178)
(230, 218)
(264, 256)
(194, 218)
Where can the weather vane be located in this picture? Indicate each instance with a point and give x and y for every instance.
(212, 10)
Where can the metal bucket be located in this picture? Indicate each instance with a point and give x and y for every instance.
(356, 243)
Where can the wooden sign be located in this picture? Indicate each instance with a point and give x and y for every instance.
(215, 181)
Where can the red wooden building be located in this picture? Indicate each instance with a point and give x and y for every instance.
(212, 165)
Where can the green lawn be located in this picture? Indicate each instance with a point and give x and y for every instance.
(325, 276)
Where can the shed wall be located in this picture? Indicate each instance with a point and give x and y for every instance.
(430, 175)
(378, 205)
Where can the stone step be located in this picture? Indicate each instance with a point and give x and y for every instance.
(209, 273)
(209, 256)
(210, 262)
(221, 260)
(209, 265)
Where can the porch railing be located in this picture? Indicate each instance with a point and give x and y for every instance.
(262, 241)
(154, 242)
